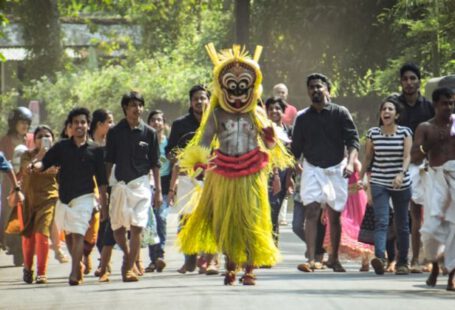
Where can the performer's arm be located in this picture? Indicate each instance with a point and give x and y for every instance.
(209, 130)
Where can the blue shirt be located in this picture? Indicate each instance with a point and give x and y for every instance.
(4, 163)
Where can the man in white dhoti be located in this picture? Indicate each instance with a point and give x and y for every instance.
(322, 133)
(79, 161)
(435, 140)
(133, 147)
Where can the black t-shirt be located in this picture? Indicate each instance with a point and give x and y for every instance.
(323, 136)
(134, 151)
(412, 116)
(78, 166)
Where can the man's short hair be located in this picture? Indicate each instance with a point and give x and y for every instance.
(319, 76)
(76, 112)
(273, 100)
(410, 67)
(128, 97)
(441, 92)
(197, 88)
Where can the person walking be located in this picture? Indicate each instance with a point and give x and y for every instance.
(387, 150)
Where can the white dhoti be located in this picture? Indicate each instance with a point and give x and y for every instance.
(183, 199)
(324, 185)
(130, 203)
(74, 217)
(438, 229)
(417, 175)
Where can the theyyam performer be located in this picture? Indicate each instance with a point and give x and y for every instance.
(237, 148)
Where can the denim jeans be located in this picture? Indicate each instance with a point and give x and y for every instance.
(400, 200)
(275, 204)
(298, 222)
(161, 213)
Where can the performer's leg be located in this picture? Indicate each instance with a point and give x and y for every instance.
(231, 267)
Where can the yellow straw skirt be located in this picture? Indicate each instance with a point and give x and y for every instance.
(232, 216)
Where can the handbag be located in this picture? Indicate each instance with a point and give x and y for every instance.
(366, 232)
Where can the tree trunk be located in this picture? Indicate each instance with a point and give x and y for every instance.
(242, 21)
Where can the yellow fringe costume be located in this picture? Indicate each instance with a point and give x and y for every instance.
(232, 213)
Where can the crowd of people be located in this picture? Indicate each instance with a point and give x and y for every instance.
(230, 165)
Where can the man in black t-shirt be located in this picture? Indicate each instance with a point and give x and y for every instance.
(133, 147)
(416, 109)
(79, 161)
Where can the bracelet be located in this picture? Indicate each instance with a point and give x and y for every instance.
(17, 189)
(422, 150)
(171, 190)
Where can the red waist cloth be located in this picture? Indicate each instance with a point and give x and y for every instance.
(239, 166)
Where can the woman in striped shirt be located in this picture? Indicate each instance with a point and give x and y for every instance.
(388, 155)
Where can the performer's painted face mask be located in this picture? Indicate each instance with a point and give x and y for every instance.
(237, 85)
(238, 78)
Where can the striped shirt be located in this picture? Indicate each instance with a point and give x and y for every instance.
(388, 156)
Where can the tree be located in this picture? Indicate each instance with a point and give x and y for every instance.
(41, 31)
(424, 32)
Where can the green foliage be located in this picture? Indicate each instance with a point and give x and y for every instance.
(163, 74)
(424, 32)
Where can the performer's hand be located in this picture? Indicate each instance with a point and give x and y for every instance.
(398, 180)
(276, 184)
(268, 136)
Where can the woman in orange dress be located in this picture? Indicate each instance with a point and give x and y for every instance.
(41, 194)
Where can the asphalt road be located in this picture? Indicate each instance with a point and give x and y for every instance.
(279, 288)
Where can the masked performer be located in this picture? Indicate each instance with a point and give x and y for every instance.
(232, 214)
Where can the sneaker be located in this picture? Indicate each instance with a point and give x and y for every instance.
(28, 276)
(378, 265)
(402, 270)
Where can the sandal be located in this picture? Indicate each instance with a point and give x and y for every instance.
(229, 278)
(130, 276)
(249, 279)
(41, 279)
(306, 267)
(28, 276)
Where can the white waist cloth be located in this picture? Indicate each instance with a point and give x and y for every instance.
(324, 185)
(185, 201)
(417, 174)
(438, 229)
(74, 217)
(130, 203)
